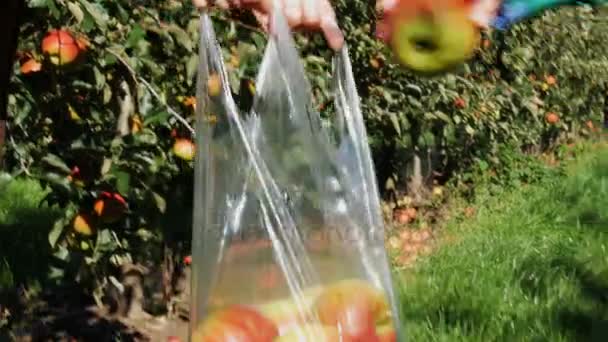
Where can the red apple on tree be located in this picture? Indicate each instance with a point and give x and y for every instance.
(61, 47)
(111, 207)
(30, 66)
(184, 149)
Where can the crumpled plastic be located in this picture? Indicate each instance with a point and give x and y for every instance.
(288, 236)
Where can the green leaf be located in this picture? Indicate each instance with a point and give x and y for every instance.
(62, 253)
(161, 204)
(123, 182)
(483, 165)
(106, 166)
(76, 11)
(158, 116)
(137, 33)
(38, 3)
(443, 116)
(53, 9)
(100, 79)
(107, 93)
(56, 273)
(97, 12)
(470, 130)
(105, 242)
(191, 67)
(55, 161)
(56, 232)
(146, 137)
(395, 121)
(181, 36)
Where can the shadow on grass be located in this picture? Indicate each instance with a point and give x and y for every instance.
(586, 316)
(24, 244)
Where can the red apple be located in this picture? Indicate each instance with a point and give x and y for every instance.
(184, 149)
(354, 306)
(387, 333)
(237, 324)
(552, 118)
(30, 66)
(356, 323)
(110, 207)
(61, 47)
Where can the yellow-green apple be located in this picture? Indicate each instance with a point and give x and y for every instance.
(236, 324)
(431, 36)
(387, 333)
(311, 332)
(61, 47)
(82, 225)
(285, 313)
(184, 149)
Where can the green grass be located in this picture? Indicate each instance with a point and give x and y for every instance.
(532, 266)
(24, 227)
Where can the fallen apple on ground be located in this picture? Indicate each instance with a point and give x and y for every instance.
(236, 324)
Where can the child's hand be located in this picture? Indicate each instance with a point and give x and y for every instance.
(307, 14)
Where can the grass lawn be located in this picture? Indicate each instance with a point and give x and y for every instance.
(24, 227)
(531, 266)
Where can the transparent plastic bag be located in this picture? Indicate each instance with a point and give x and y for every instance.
(288, 238)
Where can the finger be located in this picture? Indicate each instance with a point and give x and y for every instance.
(264, 6)
(330, 27)
(311, 15)
(262, 19)
(200, 3)
(384, 6)
(293, 12)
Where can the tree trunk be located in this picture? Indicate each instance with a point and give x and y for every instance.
(9, 26)
(416, 179)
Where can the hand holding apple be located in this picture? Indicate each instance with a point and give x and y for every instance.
(308, 14)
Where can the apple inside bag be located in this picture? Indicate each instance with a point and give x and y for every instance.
(288, 241)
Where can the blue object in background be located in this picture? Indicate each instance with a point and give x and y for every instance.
(514, 11)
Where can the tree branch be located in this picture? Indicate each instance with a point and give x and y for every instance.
(152, 91)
